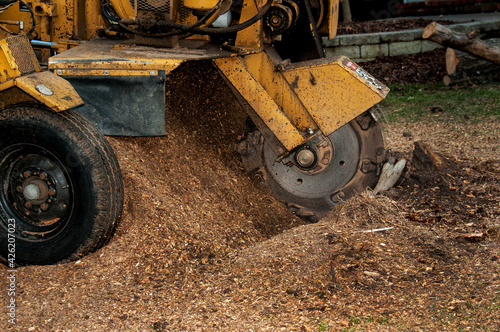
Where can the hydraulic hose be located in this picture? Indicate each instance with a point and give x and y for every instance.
(314, 30)
(33, 22)
(107, 12)
(182, 28)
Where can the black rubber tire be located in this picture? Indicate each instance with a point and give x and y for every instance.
(66, 155)
(359, 150)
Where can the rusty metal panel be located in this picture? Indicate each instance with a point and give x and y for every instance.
(334, 90)
(114, 55)
(50, 89)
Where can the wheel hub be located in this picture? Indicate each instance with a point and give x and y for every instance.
(39, 189)
(305, 158)
(320, 168)
(35, 190)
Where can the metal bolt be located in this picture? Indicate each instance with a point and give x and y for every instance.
(59, 72)
(305, 158)
(44, 206)
(27, 174)
(52, 191)
(152, 73)
(43, 175)
(310, 130)
(106, 72)
(27, 205)
(19, 189)
(32, 191)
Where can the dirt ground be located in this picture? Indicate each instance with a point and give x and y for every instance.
(396, 24)
(202, 247)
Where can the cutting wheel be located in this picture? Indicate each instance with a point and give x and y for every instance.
(313, 180)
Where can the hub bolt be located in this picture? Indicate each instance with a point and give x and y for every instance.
(305, 158)
(32, 191)
(44, 206)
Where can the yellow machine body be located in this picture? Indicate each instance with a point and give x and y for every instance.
(68, 22)
(22, 80)
(310, 140)
(200, 4)
(292, 103)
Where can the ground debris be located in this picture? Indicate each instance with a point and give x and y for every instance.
(198, 251)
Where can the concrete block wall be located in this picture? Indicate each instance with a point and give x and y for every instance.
(366, 47)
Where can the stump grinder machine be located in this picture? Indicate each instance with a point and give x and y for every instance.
(72, 71)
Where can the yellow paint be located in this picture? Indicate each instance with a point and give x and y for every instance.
(60, 19)
(44, 9)
(93, 18)
(333, 18)
(8, 66)
(200, 4)
(50, 89)
(253, 36)
(6, 85)
(262, 103)
(104, 54)
(332, 92)
(124, 9)
(321, 94)
(10, 95)
(106, 72)
(264, 71)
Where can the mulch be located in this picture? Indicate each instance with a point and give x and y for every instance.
(202, 247)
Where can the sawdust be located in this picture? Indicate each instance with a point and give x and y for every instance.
(201, 247)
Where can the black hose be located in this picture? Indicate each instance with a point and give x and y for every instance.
(106, 12)
(33, 22)
(32, 14)
(198, 30)
(314, 30)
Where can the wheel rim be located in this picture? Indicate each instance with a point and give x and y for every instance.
(37, 191)
(341, 169)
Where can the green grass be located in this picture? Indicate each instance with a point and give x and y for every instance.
(357, 322)
(414, 102)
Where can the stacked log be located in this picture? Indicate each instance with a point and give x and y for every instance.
(468, 58)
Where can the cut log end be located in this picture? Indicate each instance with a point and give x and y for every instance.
(429, 30)
(447, 80)
(451, 61)
(459, 41)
